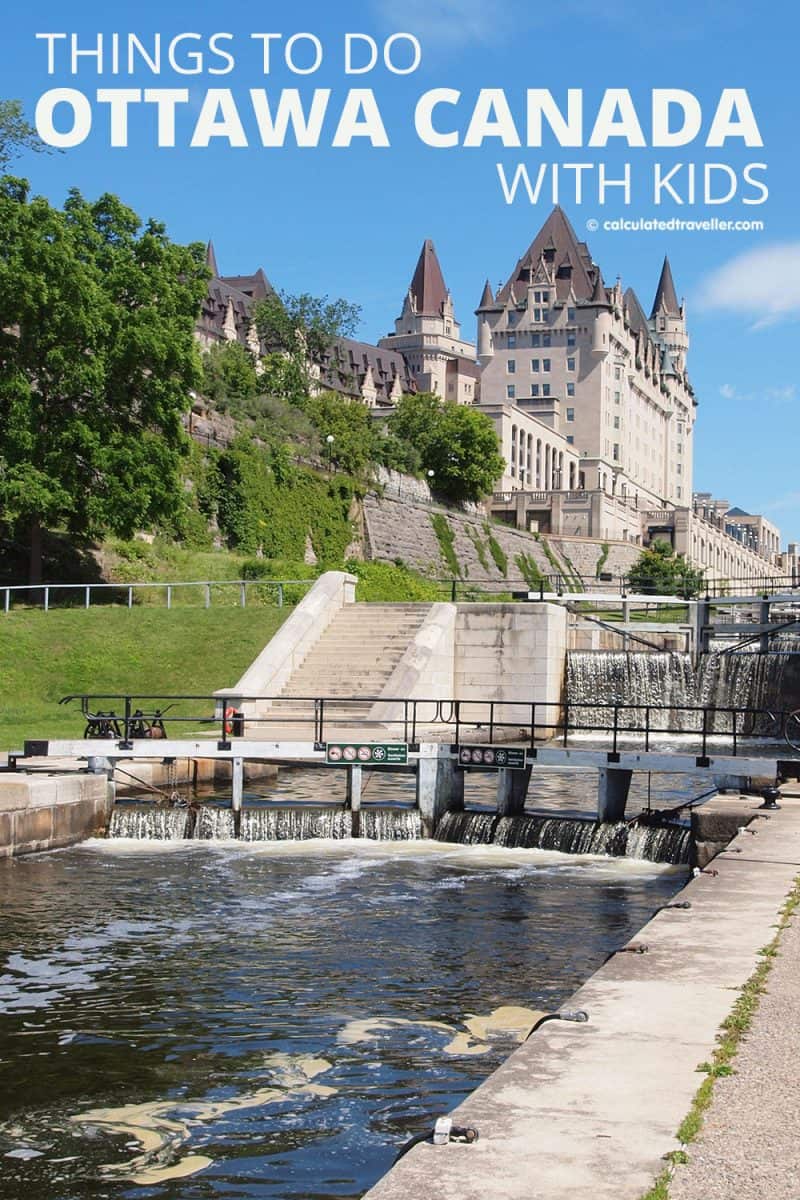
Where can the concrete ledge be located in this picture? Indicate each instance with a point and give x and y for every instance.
(594, 1108)
(43, 812)
(425, 670)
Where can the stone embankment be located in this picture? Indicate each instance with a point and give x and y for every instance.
(403, 529)
(45, 811)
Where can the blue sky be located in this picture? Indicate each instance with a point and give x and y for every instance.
(350, 221)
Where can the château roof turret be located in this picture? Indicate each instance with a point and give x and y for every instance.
(666, 298)
(487, 299)
(211, 260)
(556, 246)
(428, 289)
(599, 294)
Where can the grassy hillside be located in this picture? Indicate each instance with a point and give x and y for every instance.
(44, 656)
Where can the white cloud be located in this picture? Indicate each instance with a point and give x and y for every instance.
(789, 500)
(762, 284)
(453, 23)
(777, 395)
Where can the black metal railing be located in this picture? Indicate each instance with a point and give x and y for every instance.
(612, 726)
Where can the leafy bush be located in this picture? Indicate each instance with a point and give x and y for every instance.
(497, 552)
(381, 581)
(446, 539)
(529, 570)
(660, 571)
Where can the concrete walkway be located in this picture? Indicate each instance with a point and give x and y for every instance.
(593, 1109)
(749, 1146)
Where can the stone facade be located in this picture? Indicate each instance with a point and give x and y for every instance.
(428, 336)
(557, 343)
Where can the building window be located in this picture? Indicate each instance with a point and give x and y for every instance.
(512, 317)
(570, 338)
(570, 364)
(616, 397)
(570, 414)
(545, 389)
(535, 390)
(537, 314)
(511, 366)
(570, 314)
(570, 389)
(615, 453)
(678, 492)
(534, 366)
(536, 339)
(616, 422)
(617, 373)
(512, 341)
(570, 440)
(511, 392)
(545, 364)
(546, 339)
(679, 469)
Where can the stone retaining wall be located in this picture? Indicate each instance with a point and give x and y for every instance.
(45, 811)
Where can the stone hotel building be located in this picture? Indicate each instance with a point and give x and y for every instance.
(590, 397)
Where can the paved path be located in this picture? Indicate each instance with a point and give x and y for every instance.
(749, 1147)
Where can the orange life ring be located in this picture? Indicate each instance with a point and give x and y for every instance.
(230, 713)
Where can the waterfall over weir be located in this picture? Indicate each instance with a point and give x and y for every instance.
(741, 680)
(664, 844)
(149, 823)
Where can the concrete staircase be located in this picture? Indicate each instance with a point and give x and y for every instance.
(355, 656)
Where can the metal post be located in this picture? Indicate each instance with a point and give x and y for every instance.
(87, 597)
(47, 599)
(208, 595)
(566, 723)
(7, 602)
(616, 726)
(169, 596)
(237, 784)
(242, 595)
(130, 597)
(280, 595)
(127, 718)
(354, 779)
(647, 726)
(453, 588)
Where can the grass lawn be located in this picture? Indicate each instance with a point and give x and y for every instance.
(44, 656)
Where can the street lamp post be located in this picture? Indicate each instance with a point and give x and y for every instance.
(329, 439)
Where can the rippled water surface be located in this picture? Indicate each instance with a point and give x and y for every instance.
(274, 1020)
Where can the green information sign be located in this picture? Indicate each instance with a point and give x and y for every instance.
(495, 757)
(372, 754)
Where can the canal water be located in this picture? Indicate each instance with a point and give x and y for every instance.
(276, 1019)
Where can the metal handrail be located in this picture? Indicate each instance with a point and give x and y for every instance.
(545, 720)
(45, 589)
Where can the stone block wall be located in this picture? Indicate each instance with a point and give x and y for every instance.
(512, 653)
(43, 812)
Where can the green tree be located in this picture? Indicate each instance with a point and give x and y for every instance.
(16, 135)
(97, 358)
(348, 422)
(230, 379)
(455, 441)
(659, 571)
(298, 332)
